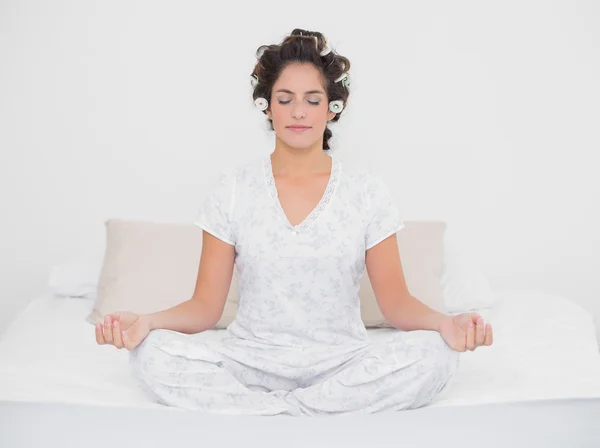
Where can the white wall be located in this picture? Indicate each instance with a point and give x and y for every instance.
(484, 114)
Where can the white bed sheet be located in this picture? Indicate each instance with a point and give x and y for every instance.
(545, 348)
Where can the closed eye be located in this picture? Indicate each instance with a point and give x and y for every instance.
(313, 103)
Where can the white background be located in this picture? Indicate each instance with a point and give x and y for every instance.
(482, 114)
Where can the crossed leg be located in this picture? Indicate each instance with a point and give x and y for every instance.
(405, 371)
(177, 370)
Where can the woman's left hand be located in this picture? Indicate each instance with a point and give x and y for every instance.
(466, 331)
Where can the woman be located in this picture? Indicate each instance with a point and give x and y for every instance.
(301, 230)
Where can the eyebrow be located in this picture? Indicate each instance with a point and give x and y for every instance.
(306, 93)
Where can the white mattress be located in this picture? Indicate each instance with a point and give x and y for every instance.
(545, 348)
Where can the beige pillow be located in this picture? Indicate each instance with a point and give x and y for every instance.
(151, 267)
(420, 244)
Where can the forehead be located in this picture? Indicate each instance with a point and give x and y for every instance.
(305, 76)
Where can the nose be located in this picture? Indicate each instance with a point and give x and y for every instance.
(298, 110)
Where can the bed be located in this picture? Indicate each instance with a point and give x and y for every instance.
(541, 377)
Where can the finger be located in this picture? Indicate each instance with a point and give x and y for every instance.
(99, 336)
(117, 340)
(108, 337)
(471, 318)
(479, 332)
(489, 335)
(126, 341)
(471, 337)
(475, 317)
(115, 316)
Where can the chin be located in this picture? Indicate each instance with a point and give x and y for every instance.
(298, 146)
(299, 143)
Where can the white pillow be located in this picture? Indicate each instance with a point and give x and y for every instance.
(464, 285)
(76, 278)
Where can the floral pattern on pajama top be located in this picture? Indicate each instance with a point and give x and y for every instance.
(298, 345)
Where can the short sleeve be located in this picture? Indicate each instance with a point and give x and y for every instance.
(215, 213)
(384, 218)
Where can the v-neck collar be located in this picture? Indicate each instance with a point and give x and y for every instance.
(325, 199)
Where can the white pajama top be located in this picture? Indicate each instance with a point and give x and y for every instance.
(299, 284)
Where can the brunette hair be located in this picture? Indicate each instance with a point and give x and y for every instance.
(305, 47)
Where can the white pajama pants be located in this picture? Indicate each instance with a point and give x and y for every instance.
(403, 370)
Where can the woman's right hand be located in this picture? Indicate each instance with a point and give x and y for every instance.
(123, 330)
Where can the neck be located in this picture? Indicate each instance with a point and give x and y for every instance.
(289, 161)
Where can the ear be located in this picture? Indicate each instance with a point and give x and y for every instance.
(330, 115)
(268, 112)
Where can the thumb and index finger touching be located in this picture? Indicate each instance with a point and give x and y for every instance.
(128, 334)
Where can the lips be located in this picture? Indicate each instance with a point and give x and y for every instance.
(299, 128)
